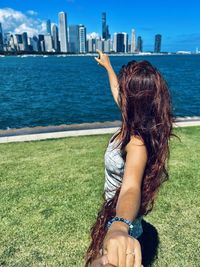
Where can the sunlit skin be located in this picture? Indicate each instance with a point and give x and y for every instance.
(117, 243)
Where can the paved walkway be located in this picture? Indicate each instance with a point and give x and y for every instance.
(51, 132)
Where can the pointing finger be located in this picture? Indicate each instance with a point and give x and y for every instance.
(99, 51)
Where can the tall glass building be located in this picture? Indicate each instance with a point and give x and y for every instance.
(48, 43)
(157, 46)
(104, 25)
(120, 42)
(18, 42)
(105, 28)
(91, 44)
(48, 27)
(35, 43)
(99, 44)
(82, 38)
(25, 41)
(107, 46)
(74, 43)
(63, 34)
(1, 37)
(133, 47)
(41, 46)
(55, 38)
(139, 44)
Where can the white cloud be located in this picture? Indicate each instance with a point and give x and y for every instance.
(93, 35)
(32, 13)
(17, 22)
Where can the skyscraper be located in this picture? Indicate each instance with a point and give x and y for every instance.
(157, 46)
(133, 41)
(120, 42)
(48, 27)
(91, 44)
(74, 43)
(82, 38)
(7, 38)
(125, 42)
(48, 42)
(10, 38)
(114, 46)
(107, 32)
(55, 37)
(63, 34)
(1, 37)
(35, 43)
(107, 46)
(99, 44)
(25, 41)
(105, 27)
(139, 44)
(41, 44)
(18, 42)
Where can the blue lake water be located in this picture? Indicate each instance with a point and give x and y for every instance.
(41, 91)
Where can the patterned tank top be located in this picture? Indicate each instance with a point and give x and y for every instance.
(114, 170)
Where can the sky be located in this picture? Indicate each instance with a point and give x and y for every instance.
(177, 21)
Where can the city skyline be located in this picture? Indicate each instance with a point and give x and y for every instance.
(59, 37)
(180, 30)
(66, 38)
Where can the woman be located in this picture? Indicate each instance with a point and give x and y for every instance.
(135, 162)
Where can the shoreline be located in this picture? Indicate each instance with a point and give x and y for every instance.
(49, 54)
(65, 130)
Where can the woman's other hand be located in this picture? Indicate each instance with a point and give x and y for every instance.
(121, 249)
(103, 59)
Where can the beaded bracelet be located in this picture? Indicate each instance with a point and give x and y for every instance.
(120, 219)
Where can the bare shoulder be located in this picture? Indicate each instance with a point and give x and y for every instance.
(135, 140)
(136, 145)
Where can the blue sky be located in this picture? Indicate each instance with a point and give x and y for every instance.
(177, 21)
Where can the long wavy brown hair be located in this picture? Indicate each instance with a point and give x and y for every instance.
(146, 111)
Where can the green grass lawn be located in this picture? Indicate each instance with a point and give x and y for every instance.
(51, 191)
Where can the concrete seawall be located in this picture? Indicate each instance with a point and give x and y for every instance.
(51, 132)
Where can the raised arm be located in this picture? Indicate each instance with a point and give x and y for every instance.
(104, 61)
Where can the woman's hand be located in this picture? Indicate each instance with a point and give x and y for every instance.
(101, 262)
(118, 246)
(103, 59)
